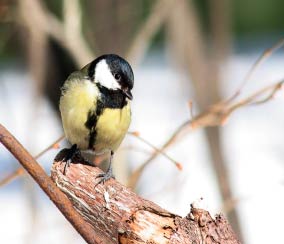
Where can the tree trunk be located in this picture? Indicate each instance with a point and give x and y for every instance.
(120, 216)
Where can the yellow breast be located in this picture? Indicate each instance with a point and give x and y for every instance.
(79, 98)
(111, 128)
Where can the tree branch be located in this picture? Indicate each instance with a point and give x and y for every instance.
(153, 23)
(112, 213)
(123, 217)
(67, 33)
(46, 184)
(20, 171)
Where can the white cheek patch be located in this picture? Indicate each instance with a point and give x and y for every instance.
(104, 76)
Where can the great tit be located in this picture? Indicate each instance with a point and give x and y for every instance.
(95, 107)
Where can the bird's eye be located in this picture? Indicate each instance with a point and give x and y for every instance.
(117, 76)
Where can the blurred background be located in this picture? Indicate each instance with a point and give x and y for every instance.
(187, 56)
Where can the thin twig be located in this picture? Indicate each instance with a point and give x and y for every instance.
(216, 115)
(21, 171)
(267, 53)
(136, 149)
(136, 135)
(59, 198)
(12, 176)
(270, 96)
(137, 173)
(51, 146)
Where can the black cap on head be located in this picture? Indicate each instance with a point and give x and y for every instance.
(121, 70)
(119, 67)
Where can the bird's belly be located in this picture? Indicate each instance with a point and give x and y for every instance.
(78, 100)
(111, 128)
(74, 127)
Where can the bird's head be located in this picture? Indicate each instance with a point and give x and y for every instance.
(112, 72)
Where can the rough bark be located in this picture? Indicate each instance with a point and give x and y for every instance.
(120, 216)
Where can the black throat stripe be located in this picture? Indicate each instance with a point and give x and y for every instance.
(91, 123)
(113, 99)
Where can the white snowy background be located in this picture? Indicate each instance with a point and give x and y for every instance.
(253, 144)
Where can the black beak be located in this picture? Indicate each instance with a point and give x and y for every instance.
(127, 93)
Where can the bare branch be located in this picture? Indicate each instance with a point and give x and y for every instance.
(141, 41)
(136, 135)
(215, 115)
(36, 13)
(12, 176)
(266, 54)
(123, 217)
(46, 184)
(21, 171)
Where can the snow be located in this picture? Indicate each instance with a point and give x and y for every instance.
(252, 141)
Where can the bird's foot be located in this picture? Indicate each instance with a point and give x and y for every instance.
(71, 152)
(105, 176)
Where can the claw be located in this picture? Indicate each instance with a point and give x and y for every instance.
(104, 177)
(69, 156)
(67, 165)
(108, 175)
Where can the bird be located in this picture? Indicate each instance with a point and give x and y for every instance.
(95, 108)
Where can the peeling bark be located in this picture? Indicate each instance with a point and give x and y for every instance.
(121, 216)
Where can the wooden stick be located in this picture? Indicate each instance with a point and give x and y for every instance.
(46, 184)
(121, 216)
